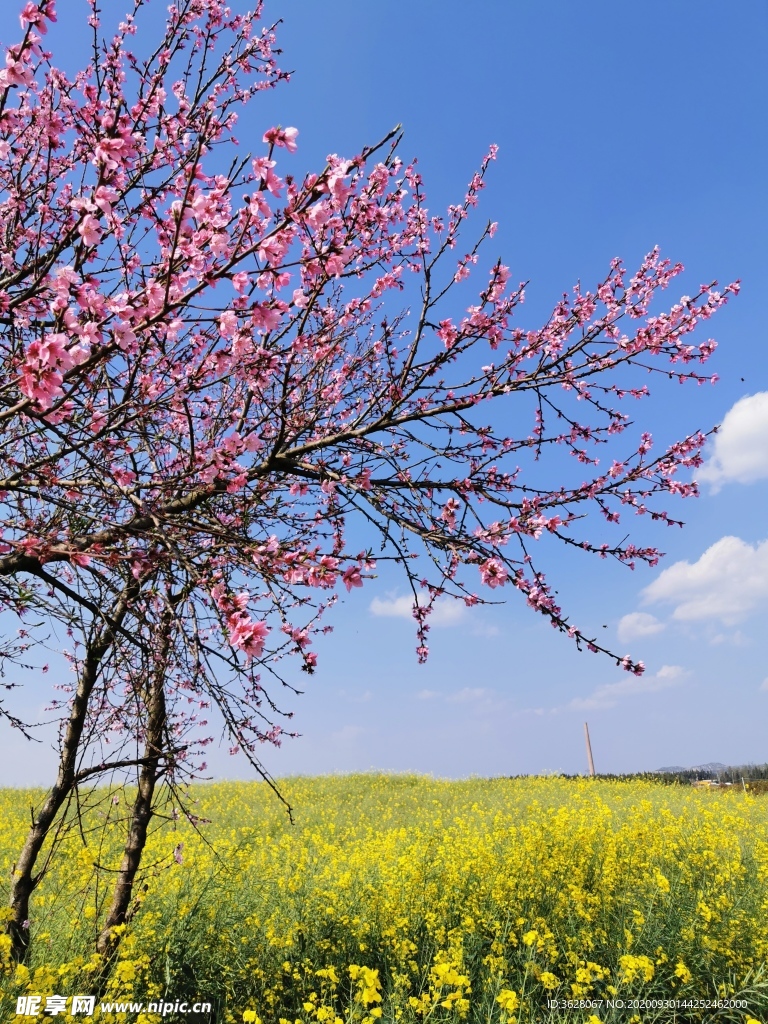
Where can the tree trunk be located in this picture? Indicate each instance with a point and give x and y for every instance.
(141, 815)
(24, 881)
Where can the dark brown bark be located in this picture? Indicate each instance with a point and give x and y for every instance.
(142, 812)
(24, 880)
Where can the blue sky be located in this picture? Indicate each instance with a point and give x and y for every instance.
(619, 127)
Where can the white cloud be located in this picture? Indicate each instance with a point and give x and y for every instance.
(356, 696)
(638, 624)
(392, 607)
(736, 639)
(729, 581)
(347, 733)
(486, 631)
(740, 448)
(764, 684)
(609, 694)
(671, 672)
(469, 693)
(446, 611)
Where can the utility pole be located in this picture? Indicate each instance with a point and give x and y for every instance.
(590, 762)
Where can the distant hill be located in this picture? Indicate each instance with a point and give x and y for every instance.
(714, 770)
(710, 766)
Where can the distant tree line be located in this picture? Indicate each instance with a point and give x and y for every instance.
(732, 773)
(685, 777)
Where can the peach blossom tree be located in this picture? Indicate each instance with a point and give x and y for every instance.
(216, 370)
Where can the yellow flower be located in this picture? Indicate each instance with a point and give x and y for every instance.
(329, 973)
(21, 974)
(417, 869)
(682, 972)
(636, 966)
(126, 971)
(508, 999)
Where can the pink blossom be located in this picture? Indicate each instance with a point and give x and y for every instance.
(493, 573)
(46, 361)
(109, 153)
(123, 476)
(264, 316)
(246, 635)
(104, 198)
(319, 214)
(334, 265)
(352, 577)
(273, 249)
(32, 15)
(447, 333)
(240, 282)
(43, 386)
(285, 137)
(219, 244)
(289, 139)
(228, 323)
(125, 337)
(262, 168)
(15, 71)
(89, 230)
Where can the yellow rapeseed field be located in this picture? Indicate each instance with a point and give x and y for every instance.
(403, 898)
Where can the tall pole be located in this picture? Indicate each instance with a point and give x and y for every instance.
(590, 762)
